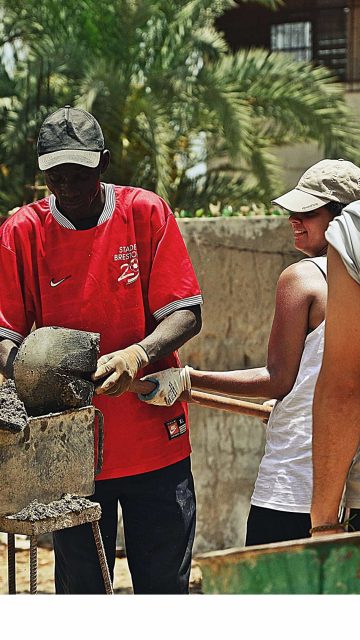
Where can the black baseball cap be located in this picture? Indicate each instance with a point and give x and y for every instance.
(70, 135)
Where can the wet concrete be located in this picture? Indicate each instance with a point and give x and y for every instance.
(53, 368)
(47, 424)
(13, 415)
(52, 456)
(38, 511)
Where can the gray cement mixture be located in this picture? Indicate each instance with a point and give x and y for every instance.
(53, 367)
(13, 415)
(39, 511)
(52, 374)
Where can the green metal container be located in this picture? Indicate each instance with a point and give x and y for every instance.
(324, 565)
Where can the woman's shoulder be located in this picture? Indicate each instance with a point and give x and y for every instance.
(305, 267)
(304, 276)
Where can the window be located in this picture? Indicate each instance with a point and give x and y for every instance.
(331, 42)
(293, 38)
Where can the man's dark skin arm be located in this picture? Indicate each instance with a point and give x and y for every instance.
(117, 370)
(172, 333)
(169, 335)
(8, 351)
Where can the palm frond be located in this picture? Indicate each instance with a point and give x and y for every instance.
(159, 140)
(204, 9)
(292, 101)
(160, 79)
(209, 43)
(270, 4)
(231, 114)
(215, 192)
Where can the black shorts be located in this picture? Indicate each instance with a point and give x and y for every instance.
(354, 517)
(268, 525)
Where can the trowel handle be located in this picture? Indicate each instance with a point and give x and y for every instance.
(226, 403)
(100, 446)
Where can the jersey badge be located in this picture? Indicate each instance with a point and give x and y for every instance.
(129, 267)
(176, 427)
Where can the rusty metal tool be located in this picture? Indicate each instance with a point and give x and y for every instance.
(211, 400)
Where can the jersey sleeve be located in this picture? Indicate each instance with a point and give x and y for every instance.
(343, 234)
(16, 312)
(173, 284)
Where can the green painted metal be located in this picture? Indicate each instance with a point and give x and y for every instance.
(328, 565)
(342, 570)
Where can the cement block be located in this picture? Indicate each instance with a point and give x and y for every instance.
(53, 456)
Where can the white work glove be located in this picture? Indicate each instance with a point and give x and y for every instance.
(120, 369)
(170, 384)
(269, 403)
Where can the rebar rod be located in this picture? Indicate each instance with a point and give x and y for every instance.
(102, 558)
(11, 564)
(33, 565)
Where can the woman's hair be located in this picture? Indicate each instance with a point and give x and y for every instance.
(335, 207)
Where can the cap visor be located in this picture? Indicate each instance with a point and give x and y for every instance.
(298, 201)
(69, 156)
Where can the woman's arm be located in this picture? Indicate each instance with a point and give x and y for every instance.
(297, 289)
(295, 294)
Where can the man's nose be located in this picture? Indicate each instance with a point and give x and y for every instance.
(67, 184)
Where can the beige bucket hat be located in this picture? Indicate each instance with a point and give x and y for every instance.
(326, 181)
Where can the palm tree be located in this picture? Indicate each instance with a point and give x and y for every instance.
(259, 101)
(168, 93)
(43, 47)
(169, 80)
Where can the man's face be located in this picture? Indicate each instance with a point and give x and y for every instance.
(75, 188)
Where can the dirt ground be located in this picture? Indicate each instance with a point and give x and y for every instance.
(122, 582)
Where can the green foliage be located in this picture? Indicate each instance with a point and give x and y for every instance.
(270, 4)
(168, 93)
(244, 211)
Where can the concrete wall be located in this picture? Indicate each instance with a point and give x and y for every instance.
(237, 261)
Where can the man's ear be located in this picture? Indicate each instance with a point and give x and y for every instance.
(105, 160)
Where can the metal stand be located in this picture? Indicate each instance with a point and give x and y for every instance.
(88, 512)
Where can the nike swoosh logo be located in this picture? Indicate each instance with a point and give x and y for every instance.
(56, 284)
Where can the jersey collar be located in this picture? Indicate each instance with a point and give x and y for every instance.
(106, 214)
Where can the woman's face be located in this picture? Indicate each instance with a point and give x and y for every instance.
(309, 230)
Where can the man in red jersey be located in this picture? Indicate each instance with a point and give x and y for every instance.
(110, 259)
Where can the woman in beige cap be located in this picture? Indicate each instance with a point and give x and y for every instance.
(281, 501)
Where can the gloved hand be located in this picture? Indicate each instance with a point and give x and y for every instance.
(170, 384)
(269, 403)
(120, 369)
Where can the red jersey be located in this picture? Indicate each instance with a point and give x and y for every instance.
(118, 279)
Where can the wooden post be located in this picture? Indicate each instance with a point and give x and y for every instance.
(353, 38)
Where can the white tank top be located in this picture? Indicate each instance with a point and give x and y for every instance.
(284, 481)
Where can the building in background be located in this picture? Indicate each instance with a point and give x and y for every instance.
(325, 32)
